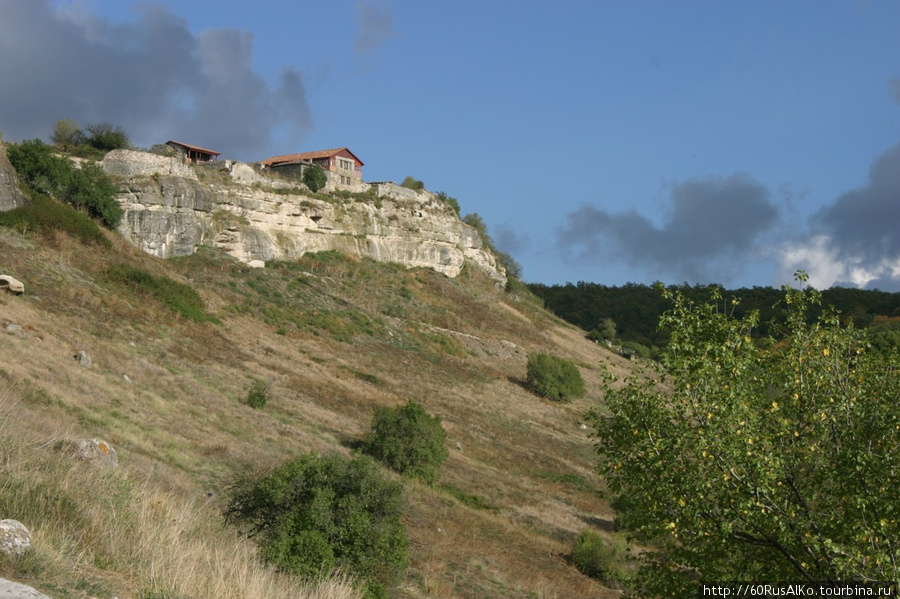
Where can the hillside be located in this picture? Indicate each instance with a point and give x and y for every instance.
(333, 336)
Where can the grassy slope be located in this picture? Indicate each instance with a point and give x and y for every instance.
(334, 338)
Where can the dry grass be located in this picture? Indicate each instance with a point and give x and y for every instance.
(182, 431)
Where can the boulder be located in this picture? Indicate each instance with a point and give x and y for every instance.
(83, 359)
(14, 590)
(15, 539)
(11, 285)
(95, 450)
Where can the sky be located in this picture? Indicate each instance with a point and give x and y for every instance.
(697, 141)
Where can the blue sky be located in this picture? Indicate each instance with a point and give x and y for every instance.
(602, 141)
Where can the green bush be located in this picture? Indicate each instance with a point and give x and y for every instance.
(105, 137)
(46, 215)
(178, 297)
(257, 395)
(314, 178)
(410, 183)
(605, 331)
(451, 201)
(408, 440)
(87, 188)
(629, 349)
(314, 513)
(554, 378)
(597, 558)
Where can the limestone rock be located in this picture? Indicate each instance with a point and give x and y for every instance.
(96, 450)
(10, 196)
(14, 590)
(256, 217)
(11, 285)
(83, 359)
(15, 539)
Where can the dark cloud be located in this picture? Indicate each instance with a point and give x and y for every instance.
(511, 241)
(154, 78)
(375, 25)
(713, 225)
(856, 239)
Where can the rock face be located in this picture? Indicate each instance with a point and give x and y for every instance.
(10, 196)
(15, 539)
(171, 209)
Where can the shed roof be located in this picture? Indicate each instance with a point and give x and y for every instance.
(309, 156)
(195, 148)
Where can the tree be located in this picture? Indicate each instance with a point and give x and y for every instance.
(106, 137)
(67, 135)
(769, 461)
(408, 440)
(554, 377)
(87, 188)
(410, 183)
(314, 177)
(314, 513)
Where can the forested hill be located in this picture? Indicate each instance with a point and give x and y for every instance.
(635, 309)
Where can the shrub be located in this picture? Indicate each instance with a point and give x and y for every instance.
(451, 201)
(598, 559)
(629, 349)
(45, 215)
(554, 378)
(605, 331)
(257, 395)
(105, 137)
(408, 440)
(178, 297)
(87, 188)
(314, 513)
(411, 183)
(314, 178)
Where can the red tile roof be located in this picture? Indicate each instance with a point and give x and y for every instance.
(195, 148)
(308, 156)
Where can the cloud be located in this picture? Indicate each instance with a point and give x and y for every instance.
(511, 241)
(375, 23)
(856, 239)
(714, 224)
(153, 77)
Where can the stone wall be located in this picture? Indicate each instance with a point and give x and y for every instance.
(131, 163)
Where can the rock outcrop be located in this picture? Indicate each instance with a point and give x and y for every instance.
(10, 196)
(171, 209)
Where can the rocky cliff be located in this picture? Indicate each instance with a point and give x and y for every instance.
(10, 196)
(172, 208)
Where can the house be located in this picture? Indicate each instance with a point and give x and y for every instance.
(341, 166)
(195, 154)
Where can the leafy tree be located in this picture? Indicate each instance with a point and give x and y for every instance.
(408, 440)
(605, 331)
(67, 135)
(106, 137)
(771, 461)
(87, 188)
(314, 177)
(411, 183)
(554, 377)
(314, 513)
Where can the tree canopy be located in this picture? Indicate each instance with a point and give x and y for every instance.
(741, 460)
